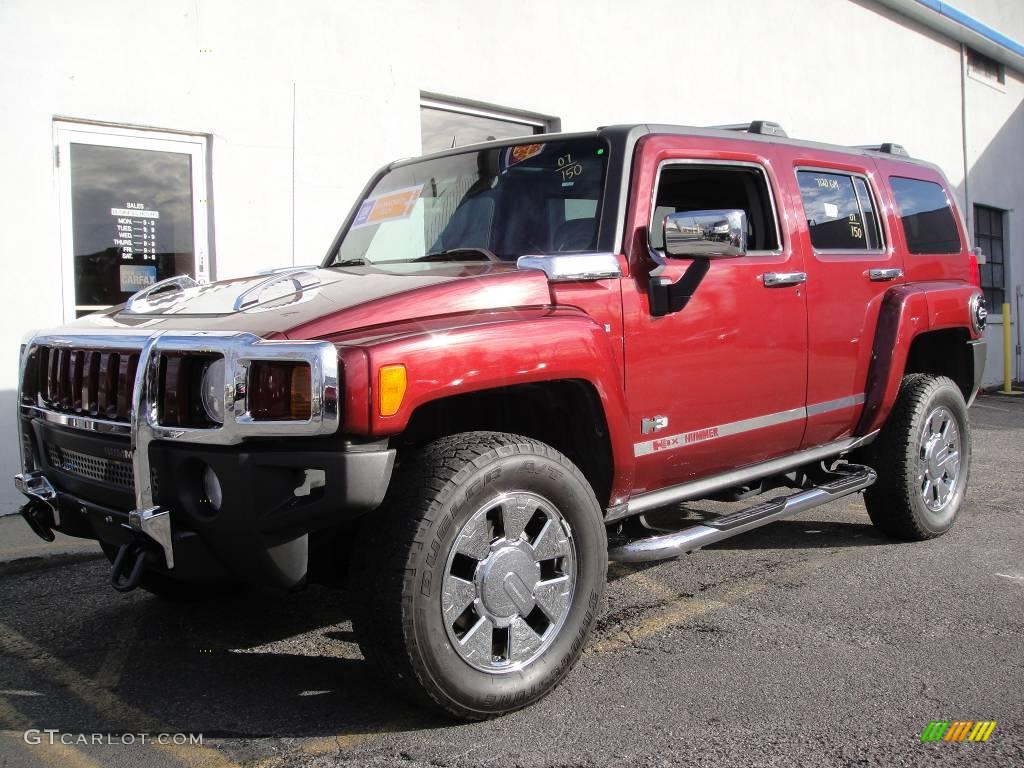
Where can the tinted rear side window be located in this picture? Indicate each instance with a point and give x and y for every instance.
(926, 215)
(840, 216)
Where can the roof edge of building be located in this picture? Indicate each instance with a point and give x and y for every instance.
(959, 26)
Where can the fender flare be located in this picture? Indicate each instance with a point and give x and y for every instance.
(903, 315)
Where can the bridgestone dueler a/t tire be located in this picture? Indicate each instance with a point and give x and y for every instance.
(895, 502)
(401, 553)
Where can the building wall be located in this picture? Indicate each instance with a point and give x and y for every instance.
(995, 153)
(302, 101)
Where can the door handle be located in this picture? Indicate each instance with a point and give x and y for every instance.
(775, 279)
(881, 275)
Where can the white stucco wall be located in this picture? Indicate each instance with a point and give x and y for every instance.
(995, 154)
(307, 99)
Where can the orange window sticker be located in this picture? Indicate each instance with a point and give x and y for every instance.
(390, 207)
(521, 152)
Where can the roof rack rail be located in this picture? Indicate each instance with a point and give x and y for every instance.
(888, 147)
(766, 127)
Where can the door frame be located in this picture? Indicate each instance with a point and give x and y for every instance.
(68, 131)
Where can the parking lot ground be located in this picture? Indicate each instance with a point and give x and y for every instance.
(18, 544)
(811, 642)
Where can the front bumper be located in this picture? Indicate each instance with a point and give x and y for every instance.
(234, 502)
(272, 497)
(979, 352)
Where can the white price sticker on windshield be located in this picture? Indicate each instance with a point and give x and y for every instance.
(387, 207)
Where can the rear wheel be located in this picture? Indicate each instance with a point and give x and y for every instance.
(475, 586)
(923, 459)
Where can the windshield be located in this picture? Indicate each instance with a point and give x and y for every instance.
(508, 200)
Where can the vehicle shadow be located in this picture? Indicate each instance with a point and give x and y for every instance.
(247, 666)
(806, 534)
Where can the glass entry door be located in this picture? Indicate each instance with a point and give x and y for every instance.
(133, 211)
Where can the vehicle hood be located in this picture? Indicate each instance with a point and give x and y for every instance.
(327, 302)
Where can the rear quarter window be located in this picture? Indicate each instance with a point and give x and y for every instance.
(926, 215)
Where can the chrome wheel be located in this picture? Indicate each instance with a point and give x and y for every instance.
(939, 459)
(508, 582)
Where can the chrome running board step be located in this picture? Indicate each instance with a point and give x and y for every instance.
(851, 478)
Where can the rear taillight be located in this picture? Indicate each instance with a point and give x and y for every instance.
(280, 391)
(975, 269)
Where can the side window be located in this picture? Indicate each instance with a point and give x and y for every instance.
(686, 187)
(927, 216)
(840, 212)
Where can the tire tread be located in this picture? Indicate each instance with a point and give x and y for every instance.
(889, 501)
(379, 578)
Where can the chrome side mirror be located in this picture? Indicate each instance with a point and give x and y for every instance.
(720, 234)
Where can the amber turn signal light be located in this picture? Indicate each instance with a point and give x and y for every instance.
(280, 391)
(393, 381)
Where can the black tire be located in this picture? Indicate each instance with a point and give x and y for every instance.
(896, 503)
(406, 552)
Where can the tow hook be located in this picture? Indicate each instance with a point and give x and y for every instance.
(129, 565)
(42, 513)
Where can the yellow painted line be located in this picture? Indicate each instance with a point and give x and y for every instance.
(56, 754)
(106, 703)
(684, 609)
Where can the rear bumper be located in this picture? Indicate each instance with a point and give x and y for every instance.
(252, 525)
(980, 352)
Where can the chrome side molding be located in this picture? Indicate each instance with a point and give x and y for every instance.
(564, 267)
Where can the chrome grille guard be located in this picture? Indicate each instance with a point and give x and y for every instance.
(239, 351)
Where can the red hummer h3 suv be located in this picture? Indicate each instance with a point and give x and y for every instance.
(511, 354)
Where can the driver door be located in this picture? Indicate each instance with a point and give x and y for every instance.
(720, 383)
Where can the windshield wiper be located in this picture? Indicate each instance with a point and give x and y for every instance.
(349, 263)
(459, 254)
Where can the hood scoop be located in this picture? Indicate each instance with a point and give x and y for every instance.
(141, 304)
(282, 283)
(183, 295)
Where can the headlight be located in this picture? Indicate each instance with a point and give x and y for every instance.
(212, 390)
(280, 391)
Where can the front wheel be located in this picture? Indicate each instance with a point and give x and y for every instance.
(923, 459)
(475, 586)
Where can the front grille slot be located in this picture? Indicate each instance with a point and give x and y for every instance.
(89, 382)
(88, 467)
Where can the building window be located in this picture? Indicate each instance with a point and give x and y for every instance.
(447, 123)
(984, 68)
(133, 211)
(988, 235)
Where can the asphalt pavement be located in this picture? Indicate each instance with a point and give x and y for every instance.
(811, 642)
